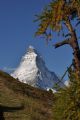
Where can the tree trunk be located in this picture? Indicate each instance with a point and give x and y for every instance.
(73, 42)
(75, 46)
(76, 53)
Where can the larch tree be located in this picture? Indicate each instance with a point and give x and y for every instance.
(54, 17)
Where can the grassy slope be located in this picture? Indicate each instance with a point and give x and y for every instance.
(37, 103)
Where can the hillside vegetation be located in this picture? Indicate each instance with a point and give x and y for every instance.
(67, 100)
(37, 104)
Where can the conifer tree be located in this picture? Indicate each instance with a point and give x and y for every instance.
(54, 17)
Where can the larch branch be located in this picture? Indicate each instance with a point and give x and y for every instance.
(62, 43)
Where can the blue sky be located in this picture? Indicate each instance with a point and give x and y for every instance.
(17, 31)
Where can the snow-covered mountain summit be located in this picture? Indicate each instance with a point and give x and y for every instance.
(33, 71)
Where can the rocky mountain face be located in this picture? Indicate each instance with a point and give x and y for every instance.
(33, 71)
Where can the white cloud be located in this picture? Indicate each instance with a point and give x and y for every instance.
(9, 69)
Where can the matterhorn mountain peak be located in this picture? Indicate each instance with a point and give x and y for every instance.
(31, 48)
(33, 71)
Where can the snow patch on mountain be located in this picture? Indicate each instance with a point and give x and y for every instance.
(67, 83)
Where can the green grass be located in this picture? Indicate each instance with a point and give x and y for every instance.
(60, 105)
(38, 103)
